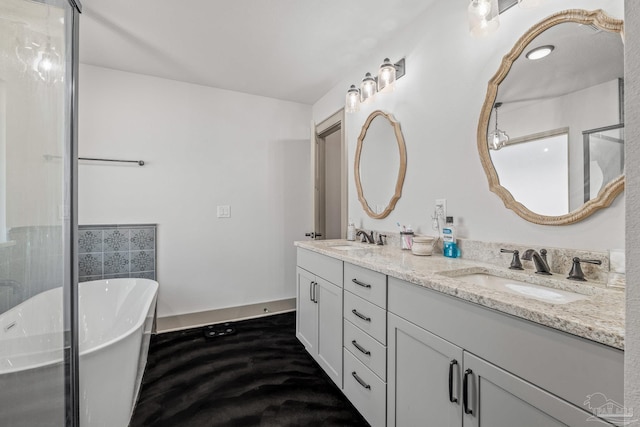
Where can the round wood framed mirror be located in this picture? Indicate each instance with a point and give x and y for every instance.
(380, 164)
(563, 158)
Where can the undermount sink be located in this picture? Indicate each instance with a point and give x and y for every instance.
(513, 286)
(352, 247)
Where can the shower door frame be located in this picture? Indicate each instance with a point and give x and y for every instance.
(70, 290)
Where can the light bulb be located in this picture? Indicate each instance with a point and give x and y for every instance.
(480, 8)
(48, 65)
(483, 17)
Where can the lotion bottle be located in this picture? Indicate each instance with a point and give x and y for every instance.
(351, 231)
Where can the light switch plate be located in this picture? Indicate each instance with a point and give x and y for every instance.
(224, 211)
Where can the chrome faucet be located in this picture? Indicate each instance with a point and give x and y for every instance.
(539, 260)
(15, 286)
(366, 238)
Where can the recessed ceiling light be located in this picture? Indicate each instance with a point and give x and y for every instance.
(540, 52)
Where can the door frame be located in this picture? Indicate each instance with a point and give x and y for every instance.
(320, 131)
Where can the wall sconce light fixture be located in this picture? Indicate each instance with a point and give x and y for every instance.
(484, 17)
(529, 4)
(388, 73)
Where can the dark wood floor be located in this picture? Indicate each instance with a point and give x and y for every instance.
(259, 376)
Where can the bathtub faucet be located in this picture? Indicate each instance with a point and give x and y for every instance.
(15, 286)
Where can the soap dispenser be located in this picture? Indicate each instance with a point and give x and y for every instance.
(351, 231)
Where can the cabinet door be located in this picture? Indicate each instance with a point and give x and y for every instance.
(329, 351)
(307, 311)
(497, 398)
(418, 378)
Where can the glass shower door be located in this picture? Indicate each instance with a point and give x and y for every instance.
(36, 195)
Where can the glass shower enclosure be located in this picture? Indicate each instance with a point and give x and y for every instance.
(38, 291)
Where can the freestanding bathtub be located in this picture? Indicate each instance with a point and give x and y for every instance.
(115, 318)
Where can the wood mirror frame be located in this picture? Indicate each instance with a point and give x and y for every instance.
(402, 170)
(606, 196)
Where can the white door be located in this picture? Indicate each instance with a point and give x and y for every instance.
(423, 378)
(307, 311)
(329, 297)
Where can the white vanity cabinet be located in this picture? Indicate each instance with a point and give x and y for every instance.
(365, 342)
(458, 364)
(424, 377)
(319, 310)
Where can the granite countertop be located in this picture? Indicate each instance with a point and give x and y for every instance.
(599, 317)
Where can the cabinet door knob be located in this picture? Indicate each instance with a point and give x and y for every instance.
(311, 291)
(452, 399)
(362, 316)
(360, 381)
(359, 283)
(465, 392)
(359, 347)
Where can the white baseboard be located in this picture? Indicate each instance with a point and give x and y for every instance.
(221, 315)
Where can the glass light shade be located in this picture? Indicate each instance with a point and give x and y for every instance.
(480, 8)
(386, 76)
(352, 103)
(483, 17)
(497, 139)
(367, 88)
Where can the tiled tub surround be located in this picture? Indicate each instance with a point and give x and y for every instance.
(599, 318)
(117, 251)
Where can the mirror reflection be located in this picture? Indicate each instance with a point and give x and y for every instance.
(555, 132)
(380, 164)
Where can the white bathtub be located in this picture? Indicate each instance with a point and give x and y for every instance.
(115, 320)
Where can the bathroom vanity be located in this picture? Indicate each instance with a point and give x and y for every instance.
(408, 341)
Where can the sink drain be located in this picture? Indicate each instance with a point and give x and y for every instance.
(214, 331)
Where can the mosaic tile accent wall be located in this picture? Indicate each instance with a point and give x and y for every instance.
(116, 251)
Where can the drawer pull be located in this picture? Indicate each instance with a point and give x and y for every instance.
(362, 383)
(362, 350)
(315, 290)
(465, 392)
(451, 365)
(362, 316)
(359, 283)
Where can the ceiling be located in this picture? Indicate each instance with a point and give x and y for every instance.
(584, 56)
(286, 49)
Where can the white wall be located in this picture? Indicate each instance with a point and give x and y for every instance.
(587, 109)
(438, 104)
(203, 147)
(632, 131)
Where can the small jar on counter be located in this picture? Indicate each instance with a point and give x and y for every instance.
(406, 239)
(423, 245)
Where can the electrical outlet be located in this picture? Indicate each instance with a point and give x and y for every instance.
(441, 209)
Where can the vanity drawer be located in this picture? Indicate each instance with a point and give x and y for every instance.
(365, 390)
(321, 265)
(367, 350)
(366, 283)
(366, 316)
